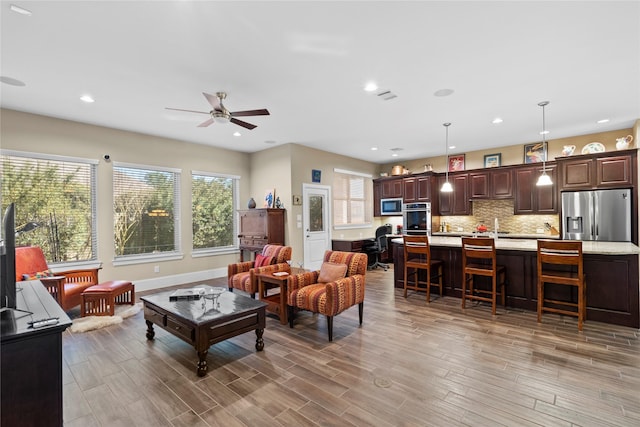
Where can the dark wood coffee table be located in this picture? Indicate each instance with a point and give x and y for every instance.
(204, 322)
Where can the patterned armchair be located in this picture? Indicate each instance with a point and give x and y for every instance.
(65, 286)
(305, 292)
(242, 275)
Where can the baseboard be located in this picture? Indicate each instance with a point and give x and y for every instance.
(178, 279)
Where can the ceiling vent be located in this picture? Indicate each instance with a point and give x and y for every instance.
(386, 95)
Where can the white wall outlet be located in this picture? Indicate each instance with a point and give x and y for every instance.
(156, 269)
(540, 230)
(459, 228)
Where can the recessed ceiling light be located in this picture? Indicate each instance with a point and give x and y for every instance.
(21, 11)
(371, 87)
(269, 142)
(603, 121)
(443, 92)
(395, 155)
(544, 132)
(87, 98)
(452, 147)
(374, 148)
(236, 133)
(11, 81)
(497, 120)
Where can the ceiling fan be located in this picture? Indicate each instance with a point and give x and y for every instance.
(221, 115)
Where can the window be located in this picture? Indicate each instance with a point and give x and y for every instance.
(352, 199)
(213, 198)
(57, 193)
(146, 207)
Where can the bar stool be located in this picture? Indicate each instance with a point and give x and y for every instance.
(417, 255)
(560, 262)
(479, 259)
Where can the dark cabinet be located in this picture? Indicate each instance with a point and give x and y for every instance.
(417, 189)
(479, 185)
(457, 202)
(376, 198)
(597, 171)
(501, 184)
(531, 199)
(259, 227)
(491, 184)
(391, 187)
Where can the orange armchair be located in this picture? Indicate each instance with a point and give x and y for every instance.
(306, 292)
(242, 275)
(66, 287)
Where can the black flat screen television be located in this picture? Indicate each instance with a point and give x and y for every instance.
(8, 263)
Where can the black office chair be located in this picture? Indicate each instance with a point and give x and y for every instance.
(379, 247)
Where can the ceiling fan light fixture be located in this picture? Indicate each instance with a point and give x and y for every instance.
(221, 117)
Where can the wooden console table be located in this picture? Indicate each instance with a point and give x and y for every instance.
(31, 360)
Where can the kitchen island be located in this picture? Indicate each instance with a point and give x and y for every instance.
(611, 267)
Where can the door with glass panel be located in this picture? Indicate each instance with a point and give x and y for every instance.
(316, 224)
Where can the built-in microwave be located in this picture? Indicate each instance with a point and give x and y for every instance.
(390, 206)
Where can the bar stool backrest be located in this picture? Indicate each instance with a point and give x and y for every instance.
(416, 249)
(562, 252)
(479, 248)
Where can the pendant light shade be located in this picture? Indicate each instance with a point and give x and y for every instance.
(544, 179)
(446, 187)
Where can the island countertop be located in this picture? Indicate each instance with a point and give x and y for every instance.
(588, 247)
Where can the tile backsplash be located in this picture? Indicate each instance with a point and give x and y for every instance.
(485, 211)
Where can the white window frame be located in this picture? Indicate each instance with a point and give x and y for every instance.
(177, 253)
(202, 252)
(368, 200)
(93, 164)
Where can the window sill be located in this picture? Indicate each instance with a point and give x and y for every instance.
(146, 258)
(75, 265)
(201, 253)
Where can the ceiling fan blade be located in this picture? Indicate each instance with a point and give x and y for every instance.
(213, 100)
(243, 124)
(206, 123)
(188, 111)
(263, 112)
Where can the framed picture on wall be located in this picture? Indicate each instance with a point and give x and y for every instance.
(535, 153)
(492, 160)
(456, 163)
(316, 175)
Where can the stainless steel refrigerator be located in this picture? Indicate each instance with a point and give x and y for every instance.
(603, 215)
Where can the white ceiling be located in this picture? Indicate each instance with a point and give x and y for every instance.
(307, 62)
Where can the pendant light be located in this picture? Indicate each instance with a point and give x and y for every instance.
(446, 187)
(544, 179)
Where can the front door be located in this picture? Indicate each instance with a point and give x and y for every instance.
(316, 223)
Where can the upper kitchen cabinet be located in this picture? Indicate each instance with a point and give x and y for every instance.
(531, 199)
(457, 202)
(417, 188)
(600, 170)
(390, 187)
(491, 184)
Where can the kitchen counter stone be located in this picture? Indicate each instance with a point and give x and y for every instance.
(510, 244)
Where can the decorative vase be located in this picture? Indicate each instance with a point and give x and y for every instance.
(568, 150)
(251, 204)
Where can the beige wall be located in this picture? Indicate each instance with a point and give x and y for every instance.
(514, 154)
(33, 133)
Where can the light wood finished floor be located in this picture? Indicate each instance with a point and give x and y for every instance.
(410, 364)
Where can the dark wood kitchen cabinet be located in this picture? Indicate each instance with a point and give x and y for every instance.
(417, 189)
(491, 184)
(594, 171)
(391, 187)
(457, 202)
(531, 199)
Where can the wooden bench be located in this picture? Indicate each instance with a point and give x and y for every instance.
(101, 299)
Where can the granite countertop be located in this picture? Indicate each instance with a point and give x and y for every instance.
(590, 247)
(500, 235)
